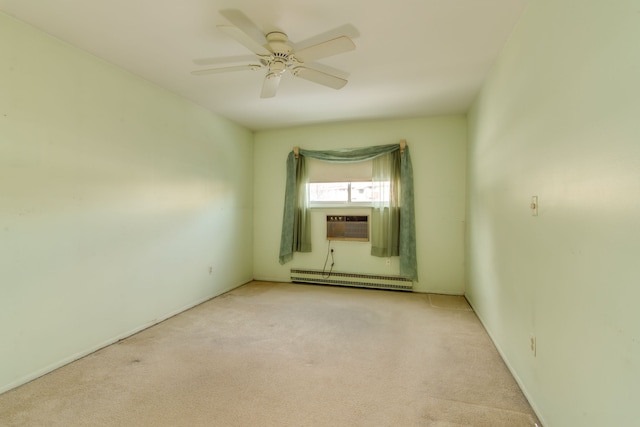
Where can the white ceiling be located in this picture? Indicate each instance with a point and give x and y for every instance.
(413, 58)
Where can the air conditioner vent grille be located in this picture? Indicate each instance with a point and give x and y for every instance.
(348, 227)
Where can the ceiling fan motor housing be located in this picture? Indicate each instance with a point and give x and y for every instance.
(281, 57)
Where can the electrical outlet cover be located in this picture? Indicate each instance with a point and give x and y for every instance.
(534, 205)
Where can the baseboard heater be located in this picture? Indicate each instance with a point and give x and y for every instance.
(359, 280)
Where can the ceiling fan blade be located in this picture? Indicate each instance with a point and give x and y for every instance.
(270, 85)
(322, 50)
(250, 31)
(226, 69)
(245, 40)
(318, 66)
(240, 20)
(319, 77)
(343, 30)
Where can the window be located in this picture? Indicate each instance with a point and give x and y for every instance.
(340, 184)
(349, 193)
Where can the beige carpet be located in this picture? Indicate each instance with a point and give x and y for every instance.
(275, 354)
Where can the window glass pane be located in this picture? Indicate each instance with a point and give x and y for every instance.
(361, 192)
(329, 192)
(382, 191)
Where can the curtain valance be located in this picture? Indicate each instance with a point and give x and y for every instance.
(350, 155)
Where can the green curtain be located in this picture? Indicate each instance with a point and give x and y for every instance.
(385, 214)
(302, 215)
(408, 259)
(296, 228)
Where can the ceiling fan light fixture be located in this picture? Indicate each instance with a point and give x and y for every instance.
(277, 66)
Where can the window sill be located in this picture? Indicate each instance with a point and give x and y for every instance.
(341, 206)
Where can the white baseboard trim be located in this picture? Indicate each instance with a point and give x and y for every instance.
(510, 367)
(79, 355)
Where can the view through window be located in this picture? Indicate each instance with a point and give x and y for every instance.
(357, 193)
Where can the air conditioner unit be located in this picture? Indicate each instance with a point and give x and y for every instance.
(348, 227)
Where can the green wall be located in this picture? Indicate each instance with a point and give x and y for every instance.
(559, 118)
(438, 151)
(116, 197)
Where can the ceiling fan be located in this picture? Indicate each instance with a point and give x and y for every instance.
(277, 55)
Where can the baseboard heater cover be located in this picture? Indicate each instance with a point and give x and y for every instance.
(360, 280)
